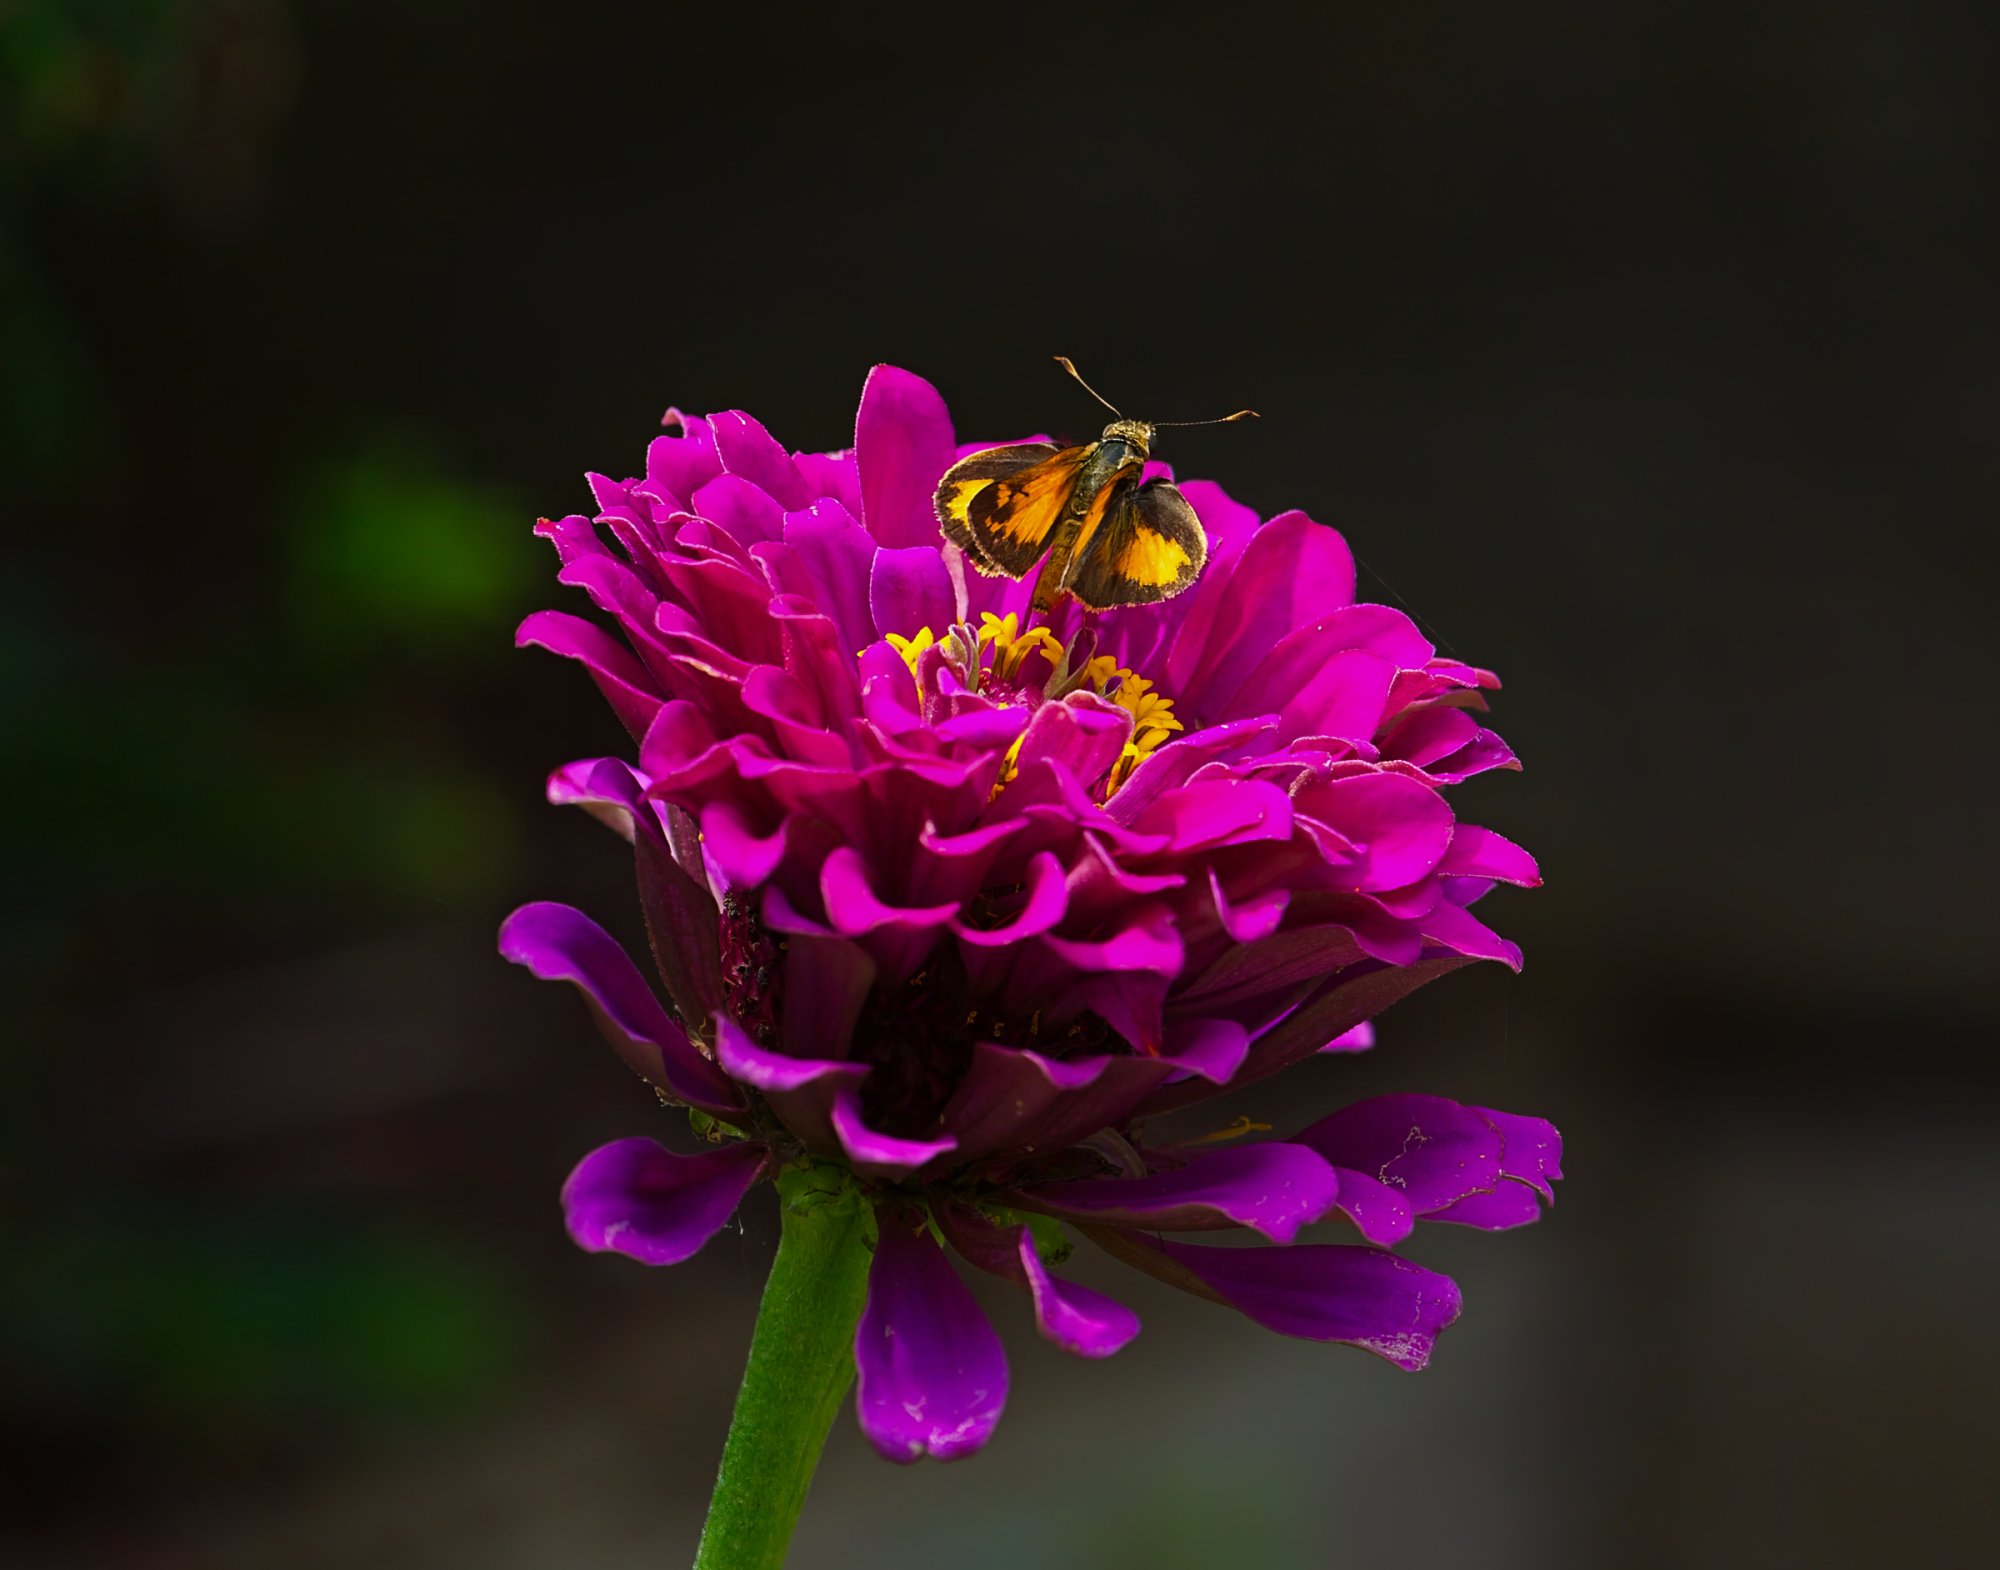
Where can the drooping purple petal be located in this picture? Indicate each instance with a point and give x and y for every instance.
(558, 943)
(1432, 1151)
(637, 1198)
(1073, 1317)
(1508, 1205)
(1364, 1297)
(932, 1375)
(1273, 1188)
(1534, 1149)
(1379, 1212)
(1530, 1164)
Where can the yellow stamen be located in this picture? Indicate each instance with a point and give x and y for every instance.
(1152, 722)
(1010, 767)
(1235, 1130)
(1011, 646)
(912, 649)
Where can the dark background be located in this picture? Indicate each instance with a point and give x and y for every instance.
(1649, 351)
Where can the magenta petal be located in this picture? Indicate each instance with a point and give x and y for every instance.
(903, 443)
(1014, 1100)
(1075, 1318)
(610, 792)
(1293, 571)
(839, 557)
(879, 1155)
(1534, 1149)
(1380, 1213)
(774, 1072)
(1359, 1039)
(750, 451)
(1273, 1188)
(1350, 998)
(637, 1198)
(802, 1091)
(853, 906)
(745, 858)
(932, 1375)
(625, 683)
(1480, 853)
(1364, 1297)
(558, 943)
(1453, 927)
(1433, 1151)
(909, 590)
(1509, 1205)
(1043, 902)
(1328, 1292)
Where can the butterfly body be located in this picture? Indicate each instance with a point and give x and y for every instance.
(1102, 536)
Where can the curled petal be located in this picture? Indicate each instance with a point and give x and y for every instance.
(802, 1091)
(1273, 1188)
(610, 792)
(1364, 1297)
(879, 1155)
(558, 943)
(637, 1198)
(932, 1375)
(1075, 1318)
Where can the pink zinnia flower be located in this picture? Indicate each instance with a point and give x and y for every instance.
(959, 903)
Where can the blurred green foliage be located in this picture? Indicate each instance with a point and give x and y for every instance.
(210, 1327)
(387, 548)
(308, 743)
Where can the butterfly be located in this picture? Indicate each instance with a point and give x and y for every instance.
(1103, 537)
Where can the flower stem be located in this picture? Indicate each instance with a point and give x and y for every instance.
(801, 1365)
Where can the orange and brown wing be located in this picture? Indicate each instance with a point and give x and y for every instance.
(1148, 547)
(1001, 507)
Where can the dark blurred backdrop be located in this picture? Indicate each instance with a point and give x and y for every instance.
(1649, 352)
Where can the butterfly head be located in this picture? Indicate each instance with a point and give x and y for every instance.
(1135, 433)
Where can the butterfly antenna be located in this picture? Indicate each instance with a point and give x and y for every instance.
(1240, 414)
(1063, 361)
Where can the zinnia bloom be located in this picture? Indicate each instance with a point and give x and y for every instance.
(960, 903)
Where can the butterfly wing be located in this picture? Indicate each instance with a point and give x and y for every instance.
(1149, 546)
(1001, 507)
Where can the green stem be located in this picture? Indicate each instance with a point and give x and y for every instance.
(801, 1365)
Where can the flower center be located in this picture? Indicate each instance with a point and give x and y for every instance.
(994, 657)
